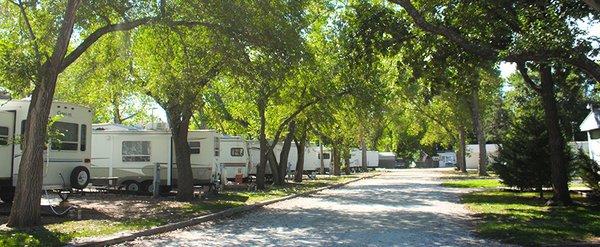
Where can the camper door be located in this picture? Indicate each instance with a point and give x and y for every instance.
(7, 126)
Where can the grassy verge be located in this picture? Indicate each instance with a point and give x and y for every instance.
(58, 234)
(523, 218)
(473, 183)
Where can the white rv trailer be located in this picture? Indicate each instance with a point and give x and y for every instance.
(254, 151)
(472, 157)
(130, 156)
(234, 157)
(372, 159)
(311, 159)
(66, 163)
(355, 159)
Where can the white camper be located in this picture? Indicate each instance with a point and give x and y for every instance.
(234, 157)
(372, 159)
(472, 157)
(66, 162)
(355, 159)
(129, 156)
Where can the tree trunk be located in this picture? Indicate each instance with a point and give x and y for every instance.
(260, 169)
(347, 161)
(479, 132)
(363, 150)
(336, 161)
(285, 152)
(273, 164)
(26, 209)
(300, 145)
(555, 138)
(462, 146)
(179, 123)
(321, 160)
(117, 118)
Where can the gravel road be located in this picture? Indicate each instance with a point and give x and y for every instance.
(398, 208)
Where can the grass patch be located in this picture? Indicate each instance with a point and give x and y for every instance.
(473, 183)
(522, 218)
(61, 233)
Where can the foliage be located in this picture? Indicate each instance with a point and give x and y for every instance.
(588, 170)
(523, 157)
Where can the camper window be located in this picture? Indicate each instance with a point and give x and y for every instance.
(3, 136)
(136, 151)
(194, 147)
(83, 137)
(237, 152)
(67, 138)
(325, 156)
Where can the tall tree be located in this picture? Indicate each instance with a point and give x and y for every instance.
(536, 34)
(40, 35)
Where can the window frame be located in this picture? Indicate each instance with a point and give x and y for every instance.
(234, 154)
(4, 137)
(195, 149)
(132, 157)
(71, 145)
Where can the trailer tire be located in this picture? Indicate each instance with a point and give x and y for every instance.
(7, 194)
(80, 177)
(147, 187)
(132, 186)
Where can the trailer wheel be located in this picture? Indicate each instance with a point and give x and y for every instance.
(132, 186)
(7, 194)
(148, 187)
(80, 177)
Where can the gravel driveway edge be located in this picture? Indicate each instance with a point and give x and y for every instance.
(123, 237)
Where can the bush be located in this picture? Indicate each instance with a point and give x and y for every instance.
(588, 170)
(524, 160)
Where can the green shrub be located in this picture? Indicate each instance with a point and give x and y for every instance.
(524, 159)
(588, 170)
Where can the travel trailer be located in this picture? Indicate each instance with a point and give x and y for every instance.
(472, 157)
(234, 157)
(66, 161)
(372, 159)
(129, 156)
(356, 159)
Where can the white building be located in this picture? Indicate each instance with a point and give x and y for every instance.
(591, 125)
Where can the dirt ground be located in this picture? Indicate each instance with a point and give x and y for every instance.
(117, 207)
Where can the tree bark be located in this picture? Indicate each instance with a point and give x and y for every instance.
(556, 142)
(479, 132)
(300, 146)
(285, 152)
(346, 154)
(336, 161)
(321, 160)
(363, 151)
(462, 146)
(262, 138)
(179, 122)
(26, 208)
